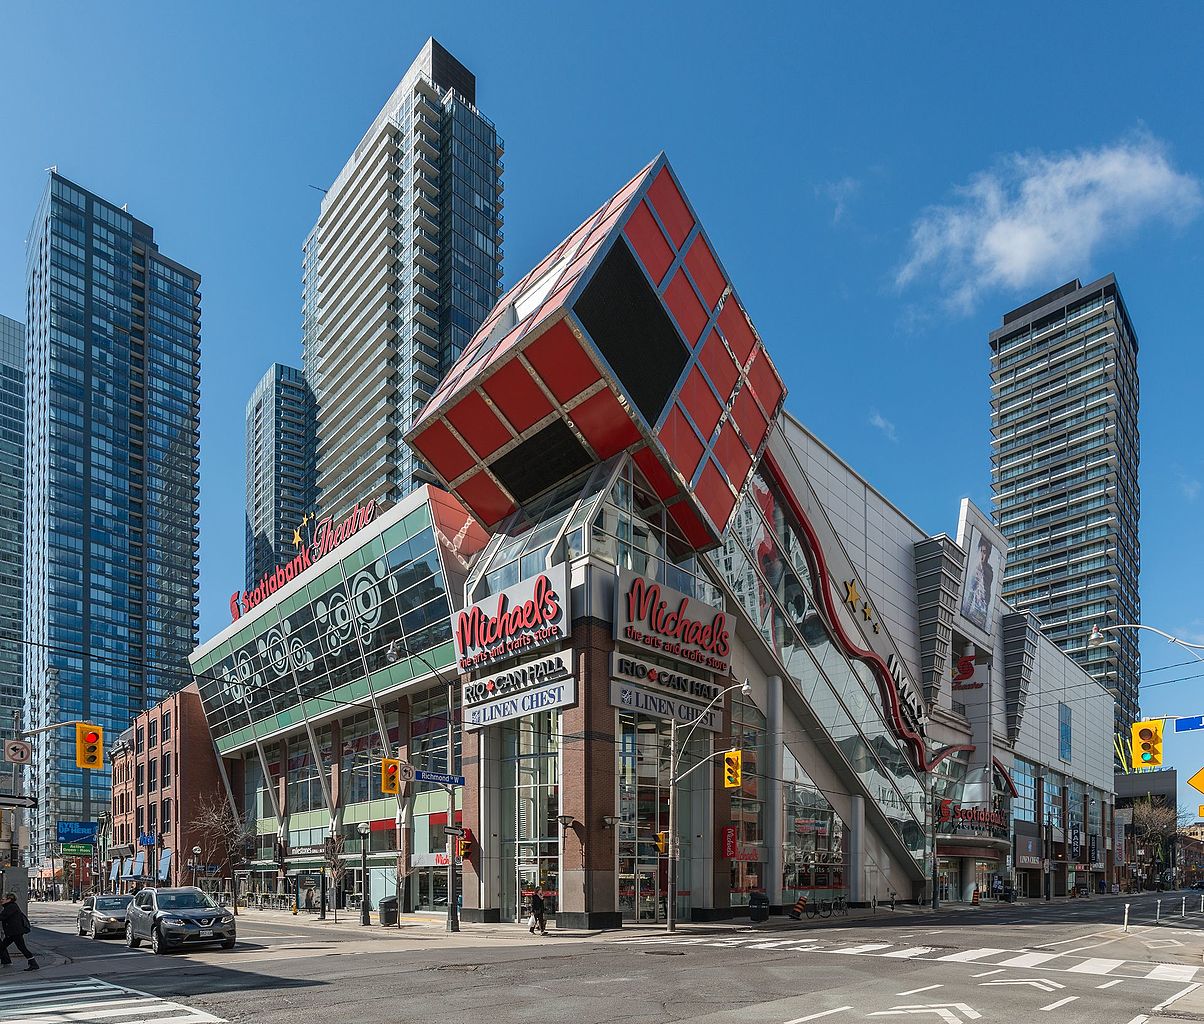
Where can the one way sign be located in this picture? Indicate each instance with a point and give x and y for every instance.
(948, 1012)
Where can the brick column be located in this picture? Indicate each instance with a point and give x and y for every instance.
(588, 895)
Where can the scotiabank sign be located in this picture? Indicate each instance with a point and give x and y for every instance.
(326, 536)
(526, 616)
(952, 817)
(666, 621)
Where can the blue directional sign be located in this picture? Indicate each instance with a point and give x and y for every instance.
(1189, 724)
(439, 777)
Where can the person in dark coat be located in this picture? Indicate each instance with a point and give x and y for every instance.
(15, 926)
(538, 912)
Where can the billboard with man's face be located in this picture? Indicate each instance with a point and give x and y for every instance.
(986, 554)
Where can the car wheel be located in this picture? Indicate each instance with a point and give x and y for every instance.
(92, 932)
(229, 943)
(131, 940)
(158, 945)
(79, 928)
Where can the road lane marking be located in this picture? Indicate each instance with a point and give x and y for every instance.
(914, 991)
(987, 974)
(1141, 1018)
(1172, 972)
(1109, 984)
(1029, 959)
(816, 1016)
(1060, 1002)
(1096, 965)
(868, 947)
(911, 951)
(1182, 992)
(966, 955)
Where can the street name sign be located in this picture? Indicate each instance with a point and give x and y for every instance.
(1197, 781)
(453, 830)
(78, 849)
(1189, 724)
(18, 801)
(440, 778)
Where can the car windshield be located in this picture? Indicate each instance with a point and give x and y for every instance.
(113, 903)
(184, 901)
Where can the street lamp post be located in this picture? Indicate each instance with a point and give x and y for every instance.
(364, 829)
(674, 779)
(196, 862)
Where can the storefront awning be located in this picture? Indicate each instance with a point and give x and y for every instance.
(164, 865)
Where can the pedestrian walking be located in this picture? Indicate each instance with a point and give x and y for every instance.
(538, 911)
(15, 926)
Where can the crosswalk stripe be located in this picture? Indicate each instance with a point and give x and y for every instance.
(869, 947)
(1029, 959)
(91, 1001)
(907, 954)
(967, 955)
(1172, 972)
(1095, 965)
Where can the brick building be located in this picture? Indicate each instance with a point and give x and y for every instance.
(164, 769)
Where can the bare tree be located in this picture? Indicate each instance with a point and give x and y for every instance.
(1154, 820)
(220, 834)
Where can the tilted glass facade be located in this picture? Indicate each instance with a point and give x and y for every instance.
(400, 270)
(112, 487)
(279, 469)
(1064, 474)
(12, 516)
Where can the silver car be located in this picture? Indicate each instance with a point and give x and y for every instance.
(102, 915)
(171, 918)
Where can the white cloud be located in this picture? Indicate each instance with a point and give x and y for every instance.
(1190, 487)
(1038, 219)
(838, 193)
(883, 424)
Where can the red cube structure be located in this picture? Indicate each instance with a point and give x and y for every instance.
(628, 336)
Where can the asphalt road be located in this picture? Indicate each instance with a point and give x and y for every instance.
(1065, 963)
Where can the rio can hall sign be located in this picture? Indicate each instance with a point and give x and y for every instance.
(529, 615)
(665, 621)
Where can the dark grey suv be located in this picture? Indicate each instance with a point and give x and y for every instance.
(171, 918)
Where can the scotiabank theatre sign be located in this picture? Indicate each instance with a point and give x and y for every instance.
(665, 621)
(526, 616)
(326, 536)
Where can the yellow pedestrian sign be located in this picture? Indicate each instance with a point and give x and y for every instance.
(1197, 781)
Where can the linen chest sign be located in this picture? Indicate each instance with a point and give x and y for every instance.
(660, 619)
(526, 616)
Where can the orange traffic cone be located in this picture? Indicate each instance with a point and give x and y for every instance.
(799, 907)
(975, 901)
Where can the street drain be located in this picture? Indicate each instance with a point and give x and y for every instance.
(663, 952)
(457, 967)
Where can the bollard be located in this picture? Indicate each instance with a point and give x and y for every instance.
(1126, 917)
(1158, 913)
(1183, 909)
(1202, 904)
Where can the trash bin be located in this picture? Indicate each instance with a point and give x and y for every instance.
(387, 910)
(758, 907)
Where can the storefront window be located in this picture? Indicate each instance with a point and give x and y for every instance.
(428, 734)
(1024, 806)
(813, 856)
(748, 871)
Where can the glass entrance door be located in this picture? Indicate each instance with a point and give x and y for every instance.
(650, 905)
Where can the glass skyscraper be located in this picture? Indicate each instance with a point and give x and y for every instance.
(111, 485)
(1064, 474)
(12, 515)
(403, 265)
(279, 467)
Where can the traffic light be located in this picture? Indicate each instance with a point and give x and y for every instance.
(464, 846)
(89, 745)
(733, 762)
(390, 775)
(662, 843)
(1147, 744)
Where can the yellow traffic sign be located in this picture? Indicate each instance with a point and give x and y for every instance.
(1201, 809)
(1197, 781)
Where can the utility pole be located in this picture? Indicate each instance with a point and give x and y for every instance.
(671, 903)
(453, 911)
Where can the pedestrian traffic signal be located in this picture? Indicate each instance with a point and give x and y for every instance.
(390, 775)
(89, 745)
(1147, 744)
(733, 763)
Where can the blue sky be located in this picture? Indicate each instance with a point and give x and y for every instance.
(882, 181)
